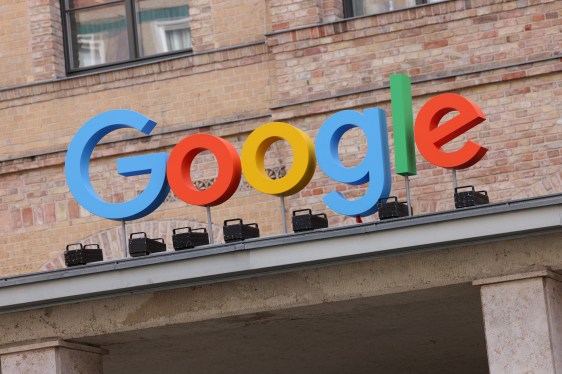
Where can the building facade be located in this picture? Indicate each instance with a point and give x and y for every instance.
(225, 67)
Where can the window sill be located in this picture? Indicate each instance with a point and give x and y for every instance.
(128, 65)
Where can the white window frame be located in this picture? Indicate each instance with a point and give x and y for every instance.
(164, 26)
(94, 43)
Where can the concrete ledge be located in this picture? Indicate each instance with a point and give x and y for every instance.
(219, 263)
(50, 343)
(546, 273)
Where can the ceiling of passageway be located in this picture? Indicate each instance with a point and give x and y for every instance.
(431, 331)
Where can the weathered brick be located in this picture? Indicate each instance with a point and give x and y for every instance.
(301, 76)
(15, 219)
(27, 216)
(73, 209)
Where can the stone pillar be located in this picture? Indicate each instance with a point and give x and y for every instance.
(53, 356)
(523, 322)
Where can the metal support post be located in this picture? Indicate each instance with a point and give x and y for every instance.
(210, 225)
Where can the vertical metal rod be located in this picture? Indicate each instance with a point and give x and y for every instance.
(408, 198)
(210, 225)
(124, 235)
(283, 214)
(455, 184)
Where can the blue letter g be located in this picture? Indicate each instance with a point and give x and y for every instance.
(78, 162)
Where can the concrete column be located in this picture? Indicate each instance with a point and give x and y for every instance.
(523, 322)
(53, 356)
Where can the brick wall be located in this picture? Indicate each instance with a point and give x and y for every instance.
(32, 47)
(238, 22)
(175, 93)
(505, 56)
(288, 14)
(47, 50)
(332, 10)
(15, 64)
(444, 39)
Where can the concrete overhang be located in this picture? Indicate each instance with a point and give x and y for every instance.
(292, 252)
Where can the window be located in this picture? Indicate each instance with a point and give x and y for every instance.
(91, 49)
(173, 35)
(355, 8)
(102, 33)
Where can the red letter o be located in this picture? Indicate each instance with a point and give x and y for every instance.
(179, 170)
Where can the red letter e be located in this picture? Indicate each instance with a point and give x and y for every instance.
(430, 137)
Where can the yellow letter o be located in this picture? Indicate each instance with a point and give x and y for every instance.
(253, 154)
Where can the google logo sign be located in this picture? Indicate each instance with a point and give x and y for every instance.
(173, 171)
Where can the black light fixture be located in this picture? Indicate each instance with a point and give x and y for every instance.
(392, 209)
(141, 245)
(189, 239)
(469, 198)
(82, 254)
(308, 221)
(239, 231)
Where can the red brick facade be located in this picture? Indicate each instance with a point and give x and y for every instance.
(295, 61)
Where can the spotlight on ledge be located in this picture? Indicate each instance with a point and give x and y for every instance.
(82, 255)
(189, 239)
(392, 209)
(140, 245)
(239, 231)
(465, 199)
(309, 221)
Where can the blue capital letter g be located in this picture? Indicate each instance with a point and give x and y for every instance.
(78, 162)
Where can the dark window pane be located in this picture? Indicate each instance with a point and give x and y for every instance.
(163, 26)
(99, 36)
(84, 3)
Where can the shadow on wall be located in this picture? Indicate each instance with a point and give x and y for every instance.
(112, 244)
